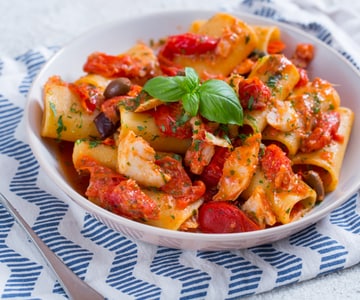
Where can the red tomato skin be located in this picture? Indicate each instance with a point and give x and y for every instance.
(224, 217)
(273, 160)
(253, 94)
(129, 200)
(325, 131)
(112, 65)
(90, 96)
(304, 78)
(213, 171)
(304, 54)
(275, 47)
(167, 118)
(188, 44)
(180, 185)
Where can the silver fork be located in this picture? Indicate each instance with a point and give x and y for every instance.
(75, 288)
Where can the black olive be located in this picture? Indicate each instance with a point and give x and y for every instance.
(117, 87)
(104, 125)
(314, 180)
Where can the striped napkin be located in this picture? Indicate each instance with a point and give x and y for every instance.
(121, 268)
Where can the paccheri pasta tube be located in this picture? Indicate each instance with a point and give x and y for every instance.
(213, 130)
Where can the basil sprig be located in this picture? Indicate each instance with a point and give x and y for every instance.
(214, 99)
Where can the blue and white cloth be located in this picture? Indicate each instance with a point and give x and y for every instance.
(121, 268)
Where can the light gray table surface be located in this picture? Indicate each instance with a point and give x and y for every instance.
(28, 24)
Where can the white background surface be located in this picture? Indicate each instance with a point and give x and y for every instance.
(28, 24)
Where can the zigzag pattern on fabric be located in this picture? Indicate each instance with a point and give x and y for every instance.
(244, 275)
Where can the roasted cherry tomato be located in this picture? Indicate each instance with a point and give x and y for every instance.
(117, 193)
(183, 44)
(304, 54)
(213, 171)
(188, 44)
(304, 78)
(129, 200)
(324, 132)
(172, 120)
(275, 47)
(90, 96)
(273, 161)
(224, 217)
(253, 94)
(112, 65)
(180, 185)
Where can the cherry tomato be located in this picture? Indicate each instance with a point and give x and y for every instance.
(117, 193)
(172, 120)
(127, 199)
(273, 161)
(253, 94)
(180, 185)
(213, 171)
(275, 47)
(304, 53)
(304, 78)
(188, 44)
(90, 96)
(102, 179)
(324, 132)
(224, 217)
(112, 65)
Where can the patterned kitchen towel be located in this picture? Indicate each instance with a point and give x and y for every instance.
(121, 268)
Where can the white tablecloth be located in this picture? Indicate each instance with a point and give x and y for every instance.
(30, 33)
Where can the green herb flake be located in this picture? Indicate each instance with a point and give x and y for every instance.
(140, 128)
(60, 127)
(197, 144)
(53, 108)
(273, 80)
(250, 103)
(94, 143)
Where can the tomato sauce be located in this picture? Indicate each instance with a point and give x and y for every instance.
(64, 152)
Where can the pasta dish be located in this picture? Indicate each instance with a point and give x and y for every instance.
(213, 130)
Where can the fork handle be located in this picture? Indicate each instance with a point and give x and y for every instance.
(75, 288)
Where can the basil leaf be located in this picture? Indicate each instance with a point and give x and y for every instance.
(219, 103)
(191, 103)
(167, 89)
(214, 99)
(192, 79)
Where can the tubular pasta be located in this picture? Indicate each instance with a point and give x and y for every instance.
(171, 217)
(316, 96)
(94, 79)
(64, 117)
(287, 205)
(237, 41)
(161, 163)
(143, 124)
(256, 120)
(105, 155)
(281, 76)
(265, 35)
(327, 161)
(289, 141)
(278, 73)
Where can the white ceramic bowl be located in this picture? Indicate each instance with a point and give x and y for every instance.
(119, 36)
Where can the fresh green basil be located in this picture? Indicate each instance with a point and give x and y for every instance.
(167, 89)
(191, 103)
(219, 103)
(214, 99)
